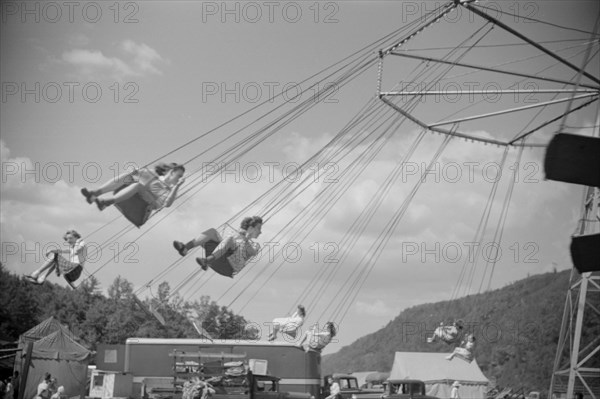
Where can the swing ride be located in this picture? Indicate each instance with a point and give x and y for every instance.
(402, 109)
(138, 193)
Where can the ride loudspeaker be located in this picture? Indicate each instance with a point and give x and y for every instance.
(585, 253)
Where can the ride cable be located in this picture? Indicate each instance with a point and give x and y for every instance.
(377, 43)
(275, 270)
(497, 239)
(324, 205)
(329, 194)
(174, 292)
(332, 269)
(370, 258)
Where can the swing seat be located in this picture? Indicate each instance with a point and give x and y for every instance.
(291, 333)
(220, 265)
(201, 331)
(149, 312)
(136, 209)
(141, 305)
(463, 357)
(573, 159)
(73, 275)
(449, 340)
(158, 316)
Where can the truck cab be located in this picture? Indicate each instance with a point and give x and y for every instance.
(264, 387)
(255, 386)
(267, 387)
(348, 384)
(405, 389)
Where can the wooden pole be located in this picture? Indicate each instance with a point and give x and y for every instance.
(25, 369)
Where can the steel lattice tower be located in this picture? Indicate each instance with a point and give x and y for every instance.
(577, 365)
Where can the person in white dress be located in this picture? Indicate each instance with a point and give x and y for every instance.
(158, 189)
(315, 340)
(288, 325)
(334, 389)
(465, 351)
(70, 267)
(448, 334)
(454, 392)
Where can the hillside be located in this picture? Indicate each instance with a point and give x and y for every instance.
(517, 329)
(96, 319)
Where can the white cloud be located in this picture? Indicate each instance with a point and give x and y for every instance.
(144, 56)
(377, 309)
(138, 60)
(79, 40)
(441, 212)
(35, 212)
(90, 61)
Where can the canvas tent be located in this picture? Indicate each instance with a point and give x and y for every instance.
(439, 374)
(45, 328)
(42, 330)
(58, 354)
(377, 377)
(361, 376)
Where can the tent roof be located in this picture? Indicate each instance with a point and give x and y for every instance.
(361, 376)
(46, 327)
(59, 346)
(430, 367)
(377, 376)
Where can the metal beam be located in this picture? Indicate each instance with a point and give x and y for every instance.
(534, 44)
(521, 136)
(448, 7)
(491, 91)
(507, 111)
(588, 357)
(484, 68)
(454, 133)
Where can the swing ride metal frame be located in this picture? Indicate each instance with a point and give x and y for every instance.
(583, 90)
(571, 368)
(355, 281)
(574, 352)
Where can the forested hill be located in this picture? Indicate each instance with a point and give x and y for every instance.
(517, 329)
(95, 318)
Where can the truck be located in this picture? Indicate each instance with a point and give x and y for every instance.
(244, 386)
(347, 382)
(256, 386)
(397, 389)
(349, 386)
(153, 362)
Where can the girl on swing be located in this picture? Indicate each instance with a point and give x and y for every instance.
(71, 267)
(237, 248)
(288, 325)
(157, 192)
(465, 351)
(315, 340)
(448, 334)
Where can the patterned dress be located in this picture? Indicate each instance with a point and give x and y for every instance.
(240, 251)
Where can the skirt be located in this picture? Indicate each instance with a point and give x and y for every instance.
(71, 270)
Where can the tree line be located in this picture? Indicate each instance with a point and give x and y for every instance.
(98, 318)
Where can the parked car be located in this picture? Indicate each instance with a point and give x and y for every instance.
(398, 389)
(348, 385)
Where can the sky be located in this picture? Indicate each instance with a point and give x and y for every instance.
(92, 89)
